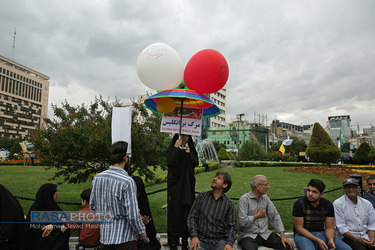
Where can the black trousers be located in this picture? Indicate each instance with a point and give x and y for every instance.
(354, 245)
(131, 245)
(273, 241)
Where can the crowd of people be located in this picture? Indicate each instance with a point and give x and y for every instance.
(210, 220)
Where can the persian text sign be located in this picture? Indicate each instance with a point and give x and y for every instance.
(191, 122)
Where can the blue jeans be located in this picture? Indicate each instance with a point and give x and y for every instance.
(307, 244)
(218, 246)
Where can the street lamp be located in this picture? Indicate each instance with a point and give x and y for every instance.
(238, 138)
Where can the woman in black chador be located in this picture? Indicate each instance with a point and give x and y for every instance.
(10, 211)
(144, 209)
(46, 236)
(182, 158)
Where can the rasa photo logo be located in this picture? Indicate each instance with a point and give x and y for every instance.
(70, 217)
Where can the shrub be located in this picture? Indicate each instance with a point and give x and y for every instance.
(242, 164)
(361, 155)
(274, 156)
(371, 155)
(223, 154)
(16, 149)
(251, 150)
(321, 147)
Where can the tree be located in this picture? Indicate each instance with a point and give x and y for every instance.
(298, 145)
(251, 150)
(223, 154)
(371, 155)
(275, 147)
(7, 143)
(149, 145)
(321, 147)
(345, 147)
(77, 142)
(361, 155)
(16, 149)
(218, 146)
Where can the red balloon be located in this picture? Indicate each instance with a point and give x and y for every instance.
(206, 72)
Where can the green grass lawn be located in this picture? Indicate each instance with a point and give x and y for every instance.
(25, 182)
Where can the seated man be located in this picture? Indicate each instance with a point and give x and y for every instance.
(355, 217)
(212, 218)
(370, 195)
(255, 209)
(314, 219)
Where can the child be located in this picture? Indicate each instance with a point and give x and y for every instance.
(89, 233)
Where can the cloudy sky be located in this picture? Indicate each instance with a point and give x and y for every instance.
(297, 61)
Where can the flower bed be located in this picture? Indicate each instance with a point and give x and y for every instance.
(339, 171)
(19, 162)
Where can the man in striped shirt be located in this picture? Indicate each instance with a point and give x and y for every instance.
(114, 193)
(212, 218)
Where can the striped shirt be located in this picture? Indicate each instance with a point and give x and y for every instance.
(314, 218)
(114, 192)
(212, 220)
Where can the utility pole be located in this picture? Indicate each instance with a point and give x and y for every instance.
(14, 43)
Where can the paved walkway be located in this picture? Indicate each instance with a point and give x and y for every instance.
(163, 240)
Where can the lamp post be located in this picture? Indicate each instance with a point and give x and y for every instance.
(238, 138)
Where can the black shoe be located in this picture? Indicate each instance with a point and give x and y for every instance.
(185, 244)
(172, 244)
(173, 247)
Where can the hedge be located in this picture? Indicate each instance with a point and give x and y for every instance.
(242, 164)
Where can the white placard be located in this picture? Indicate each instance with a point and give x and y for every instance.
(121, 126)
(191, 121)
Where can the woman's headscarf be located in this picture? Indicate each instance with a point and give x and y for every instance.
(10, 210)
(44, 197)
(143, 203)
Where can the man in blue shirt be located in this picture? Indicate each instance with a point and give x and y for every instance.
(114, 193)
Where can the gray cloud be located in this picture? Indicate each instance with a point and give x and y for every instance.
(299, 61)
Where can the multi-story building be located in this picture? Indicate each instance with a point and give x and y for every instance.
(369, 131)
(238, 133)
(219, 99)
(279, 131)
(218, 121)
(23, 99)
(337, 123)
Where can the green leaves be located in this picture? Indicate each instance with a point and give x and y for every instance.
(77, 140)
(321, 147)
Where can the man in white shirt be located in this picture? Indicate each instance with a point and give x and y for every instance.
(355, 217)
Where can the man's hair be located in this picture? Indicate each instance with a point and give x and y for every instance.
(118, 152)
(370, 177)
(256, 180)
(317, 184)
(85, 195)
(227, 179)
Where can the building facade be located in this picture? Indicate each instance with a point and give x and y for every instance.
(219, 99)
(280, 131)
(234, 136)
(24, 96)
(218, 121)
(335, 124)
(369, 131)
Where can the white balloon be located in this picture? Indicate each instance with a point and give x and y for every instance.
(159, 67)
